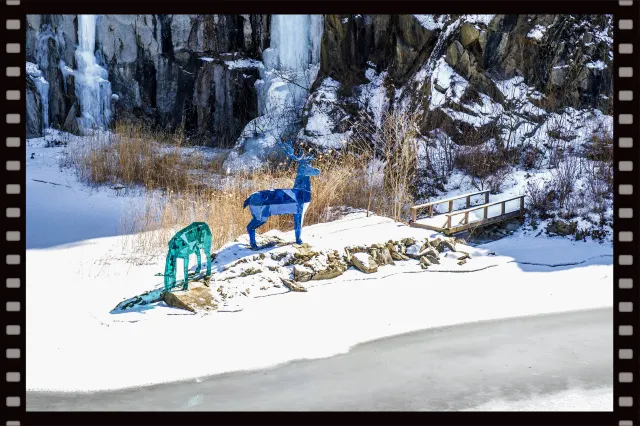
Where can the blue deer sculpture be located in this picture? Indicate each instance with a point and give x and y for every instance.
(294, 201)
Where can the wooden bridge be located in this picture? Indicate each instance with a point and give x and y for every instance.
(454, 221)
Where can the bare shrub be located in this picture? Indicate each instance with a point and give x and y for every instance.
(600, 147)
(538, 197)
(393, 143)
(560, 137)
(496, 181)
(599, 187)
(486, 166)
(564, 179)
(440, 155)
(134, 155)
(531, 156)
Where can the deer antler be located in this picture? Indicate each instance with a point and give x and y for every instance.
(287, 148)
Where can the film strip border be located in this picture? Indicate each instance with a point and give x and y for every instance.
(15, 200)
(626, 157)
(627, 210)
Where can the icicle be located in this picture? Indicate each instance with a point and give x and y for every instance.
(291, 64)
(92, 81)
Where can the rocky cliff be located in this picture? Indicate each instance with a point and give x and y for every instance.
(461, 73)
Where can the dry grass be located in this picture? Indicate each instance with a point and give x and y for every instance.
(134, 155)
(186, 187)
(339, 184)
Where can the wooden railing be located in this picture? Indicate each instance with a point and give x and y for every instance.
(429, 206)
(485, 207)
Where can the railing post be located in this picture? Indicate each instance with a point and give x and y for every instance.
(450, 206)
(522, 205)
(468, 201)
(414, 214)
(502, 206)
(486, 197)
(486, 212)
(448, 222)
(431, 210)
(466, 218)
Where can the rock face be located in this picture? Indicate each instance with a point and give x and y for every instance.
(190, 72)
(34, 110)
(198, 72)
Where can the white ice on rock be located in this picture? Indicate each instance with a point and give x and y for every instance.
(92, 81)
(291, 64)
(537, 32)
(42, 87)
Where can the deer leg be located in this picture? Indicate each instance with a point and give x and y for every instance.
(251, 229)
(207, 253)
(297, 225)
(186, 272)
(198, 259)
(170, 272)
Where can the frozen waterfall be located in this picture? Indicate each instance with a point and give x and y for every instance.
(291, 64)
(91, 80)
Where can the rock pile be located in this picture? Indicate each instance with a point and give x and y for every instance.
(287, 268)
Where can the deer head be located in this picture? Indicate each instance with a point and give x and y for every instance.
(304, 166)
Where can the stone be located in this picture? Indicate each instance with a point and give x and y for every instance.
(302, 273)
(383, 257)
(464, 65)
(454, 53)
(449, 244)
(468, 34)
(198, 298)
(424, 260)
(482, 39)
(364, 262)
(414, 250)
(432, 259)
(292, 285)
(560, 227)
(512, 226)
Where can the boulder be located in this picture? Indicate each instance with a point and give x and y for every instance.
(292, 285)
(382, 256)
(468, 34)
(198, 298)
(560, 227)
(454, 53)
(364, 262)
(449, 244)
(434, 260)
(302, 273)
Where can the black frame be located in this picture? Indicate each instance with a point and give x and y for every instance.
(622, 9)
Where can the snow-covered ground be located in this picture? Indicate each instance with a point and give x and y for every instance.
(78, 269)
(60, 209)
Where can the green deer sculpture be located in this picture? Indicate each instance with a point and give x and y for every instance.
(191, 239)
